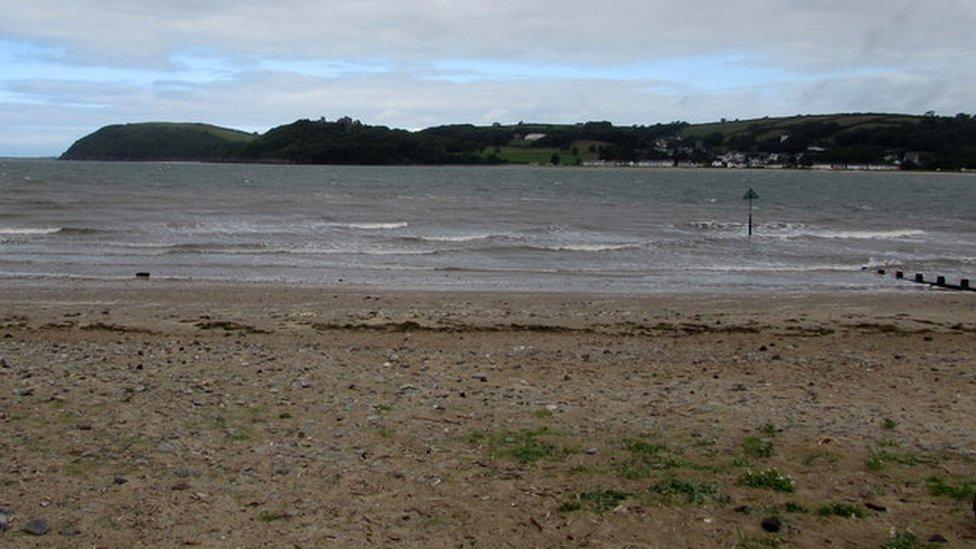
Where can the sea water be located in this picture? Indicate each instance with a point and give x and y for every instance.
(485, 228)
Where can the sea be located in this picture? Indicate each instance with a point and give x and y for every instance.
(486, 228)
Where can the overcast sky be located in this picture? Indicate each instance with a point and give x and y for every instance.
(68, 67)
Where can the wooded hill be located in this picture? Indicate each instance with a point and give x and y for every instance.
(913, 142)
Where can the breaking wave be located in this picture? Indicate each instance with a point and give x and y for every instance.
(777, 229)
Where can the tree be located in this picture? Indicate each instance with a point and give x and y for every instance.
(555, 159)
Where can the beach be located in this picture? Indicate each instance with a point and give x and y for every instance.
(161, 412)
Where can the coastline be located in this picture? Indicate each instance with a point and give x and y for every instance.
(211, 413)
(507, 165)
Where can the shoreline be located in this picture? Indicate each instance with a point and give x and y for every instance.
(500, 165)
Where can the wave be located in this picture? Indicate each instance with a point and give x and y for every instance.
(587, 247)
(28, 230)
(372, 226)
(778, 268)
(261, 249)
(779, 229)
(867, 235)
(34, 231)
(579, 248)
(79, 230)
(458, 238)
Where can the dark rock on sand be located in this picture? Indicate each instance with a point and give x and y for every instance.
(772, 524)
(37, 527)
(6, 515)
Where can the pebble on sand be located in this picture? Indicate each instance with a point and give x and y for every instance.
(772, 524)
(37, 527)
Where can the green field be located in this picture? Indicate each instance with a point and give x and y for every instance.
(527, 155)
(774, 126)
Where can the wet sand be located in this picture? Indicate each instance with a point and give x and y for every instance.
(169, 413)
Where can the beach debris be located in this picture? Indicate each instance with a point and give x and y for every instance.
(142, 274)
(772, 524)
(6, 515)
(37, 527)
(876, 507)
(480, 377)
(120, 480)
(69, 531)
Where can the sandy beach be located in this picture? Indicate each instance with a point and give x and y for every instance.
(171, 413)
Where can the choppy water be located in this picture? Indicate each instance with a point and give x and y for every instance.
(483, 228)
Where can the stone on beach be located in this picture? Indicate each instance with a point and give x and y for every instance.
(37, 527)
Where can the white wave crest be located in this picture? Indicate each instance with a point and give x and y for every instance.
(589, 247)
(373, 226)
(867, 235)
(461, 238)
(28, 230)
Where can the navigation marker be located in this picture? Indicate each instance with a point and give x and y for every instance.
(750, 196)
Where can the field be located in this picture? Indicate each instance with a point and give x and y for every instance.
(773, 126)
(531, 155)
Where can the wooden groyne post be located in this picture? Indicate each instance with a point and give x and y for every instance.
(940, 281)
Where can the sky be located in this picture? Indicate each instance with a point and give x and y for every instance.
(70, 67)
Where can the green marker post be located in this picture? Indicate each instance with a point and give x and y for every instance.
(750, 196)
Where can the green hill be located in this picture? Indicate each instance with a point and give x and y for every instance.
(769, 126)
(158, 141)
(908, 141)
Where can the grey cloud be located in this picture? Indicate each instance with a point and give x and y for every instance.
(792, 32)
(848, 55)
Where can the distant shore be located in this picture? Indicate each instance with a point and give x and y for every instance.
(510, 165)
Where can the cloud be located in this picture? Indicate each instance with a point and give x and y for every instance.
(825, 32)
(67, 68)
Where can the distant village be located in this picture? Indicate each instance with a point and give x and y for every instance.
(678, 152)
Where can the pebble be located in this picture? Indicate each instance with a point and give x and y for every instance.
(37, 527)
(6, 514)
(3, 363)
(876, 507)
(938, 538)
(120, 480)
(480, 377)
(591, 450)
(772, 524)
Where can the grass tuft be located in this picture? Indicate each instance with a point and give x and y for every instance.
(696, 492)
(758, 447)
(599, 501)
(770, 479)
(846, 510)
(941, 487)
(272, 516)
(904, 540)
(526, 446)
